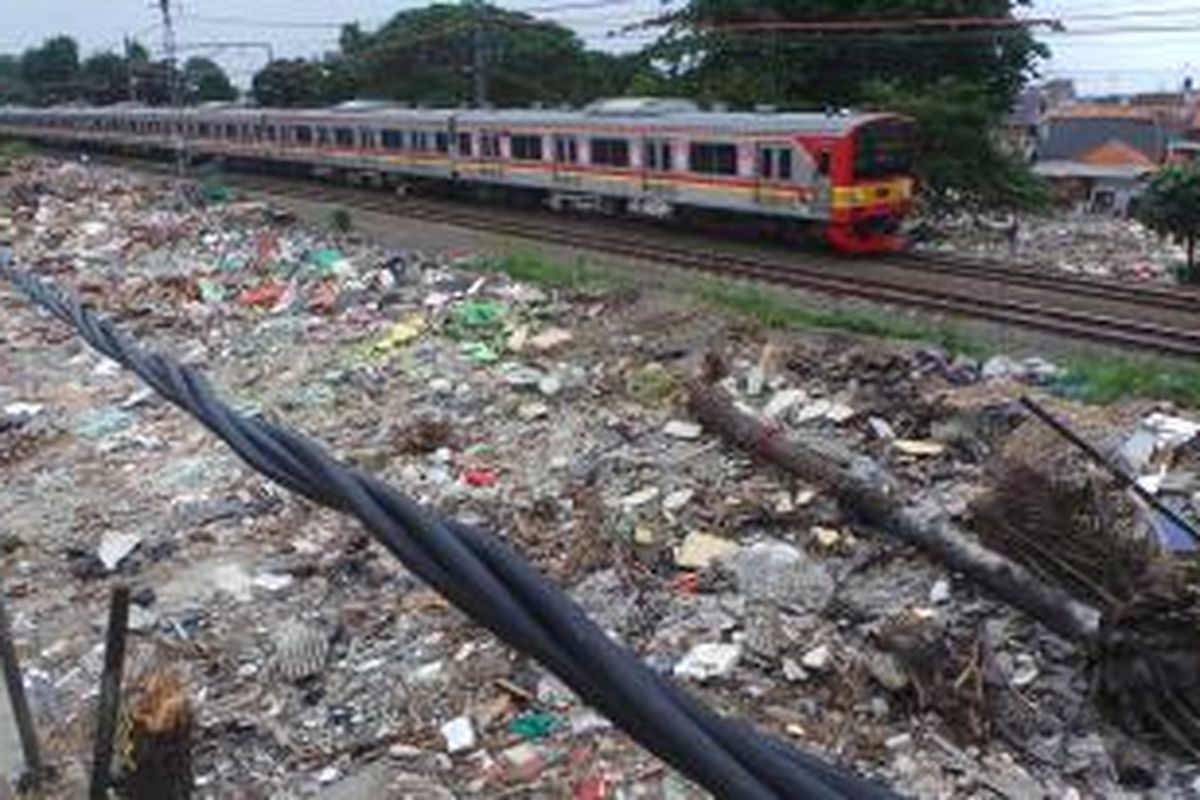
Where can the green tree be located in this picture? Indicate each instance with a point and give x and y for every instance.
(13, 88)
(429, 55)
(716, 59)
(285, 83)
(1170, 206)
(52, 70)
(104, 79)
(960, 161)
(205, 81)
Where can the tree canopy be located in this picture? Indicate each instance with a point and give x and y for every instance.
(431, 56)
(53, 73)
(203, 80)
(1170, 206)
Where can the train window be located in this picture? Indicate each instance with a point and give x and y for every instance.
(271, 133)
(344, 137)
(464, 144)
(322, 137)
(566, 149)
(610, 152)
(392, 140)
(489, 145)
(441, 142)
(884, 148)
(204, 131)
(775, 163)
(231, 131)
(824, 162)
(526, 147)
(712, 159)
(658, 156)
(420, 141)
(366, 137)
(303, 134)
(785, 167)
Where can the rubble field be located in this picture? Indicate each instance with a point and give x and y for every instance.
(317, 666)
(1081, 244)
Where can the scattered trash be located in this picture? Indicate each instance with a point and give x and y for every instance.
(301, 651)
(919, 449)
(700, 550)
(687, 431)
(116, 547)
(459, 735)
(708, 661)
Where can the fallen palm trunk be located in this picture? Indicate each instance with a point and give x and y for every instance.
(866, 490)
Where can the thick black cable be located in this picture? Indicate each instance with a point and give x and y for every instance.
(490, 582)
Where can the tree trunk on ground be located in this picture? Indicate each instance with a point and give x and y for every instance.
(867, 491)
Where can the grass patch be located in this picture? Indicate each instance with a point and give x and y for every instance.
(1099, 378)
(579, 275)
(13, 150)
(1110, 378)
(776, 310)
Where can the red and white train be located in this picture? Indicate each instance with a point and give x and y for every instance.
(848, 175)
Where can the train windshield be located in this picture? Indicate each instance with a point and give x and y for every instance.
(885, 148)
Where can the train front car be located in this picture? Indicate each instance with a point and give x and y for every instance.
(872, 185)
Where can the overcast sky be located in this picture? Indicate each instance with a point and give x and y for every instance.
(1162, 49)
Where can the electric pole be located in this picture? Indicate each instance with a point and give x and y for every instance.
(479, 54)
(170, 49)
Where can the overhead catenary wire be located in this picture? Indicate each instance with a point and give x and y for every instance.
(486, 579)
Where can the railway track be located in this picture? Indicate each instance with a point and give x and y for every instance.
(1148, 318)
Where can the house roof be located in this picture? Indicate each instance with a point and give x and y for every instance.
(1100, 111)
(1113, 153)
(1069, 138)
(1078, 169)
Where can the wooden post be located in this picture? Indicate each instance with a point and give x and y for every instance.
(110, 693)
(19, 702)
(161, 741)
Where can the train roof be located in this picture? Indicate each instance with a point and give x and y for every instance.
(675, 116)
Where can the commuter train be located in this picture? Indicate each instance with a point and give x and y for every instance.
(847, 176)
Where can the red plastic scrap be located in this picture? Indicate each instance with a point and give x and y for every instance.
(264, 296)
(593, 788)
(480, 477)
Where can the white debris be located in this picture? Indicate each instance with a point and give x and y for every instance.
(459, 734)
(676, 501)
(273, 581)
(116, 547)
(779, 406)
(640, 497)
(939, 593)
(1026, 671)
(550, 339)
(23, 409)
(817, 659)
(681, 429)
(709, 660)
(881, 429)
(700, 550)
(919, 448)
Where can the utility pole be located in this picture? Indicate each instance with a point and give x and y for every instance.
(479, 53)
(170, 49)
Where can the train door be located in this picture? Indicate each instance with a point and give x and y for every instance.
(566, 159)
(657, 163)
(775, 174)
(491, 156)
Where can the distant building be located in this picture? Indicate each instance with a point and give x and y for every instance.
(1099, 155)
